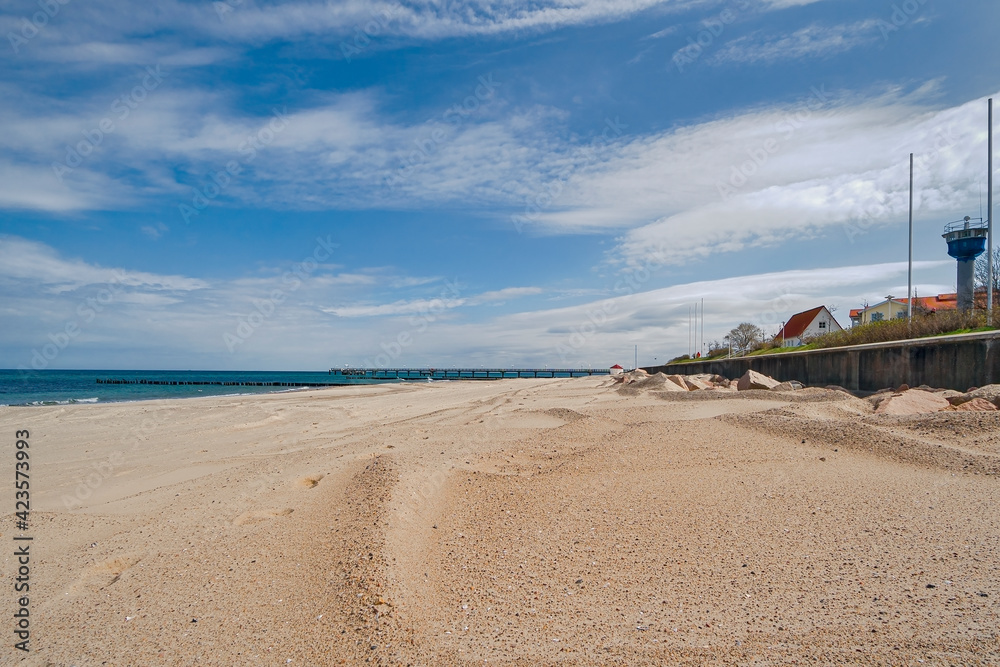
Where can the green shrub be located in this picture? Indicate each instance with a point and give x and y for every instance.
(931, 324)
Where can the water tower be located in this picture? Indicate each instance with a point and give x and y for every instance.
(966, 241)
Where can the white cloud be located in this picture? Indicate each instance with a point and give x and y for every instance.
(182, 322)
(769, 175)
(785, 4)
(426, 18)
(805, 171)
(401, 307)
(813, 41)
(601, 332)
(424, 306)
(105, 24)
(167, 54)
(29, 187)
(154, 232)
(506, 294)
(666, 32)
(41, 267)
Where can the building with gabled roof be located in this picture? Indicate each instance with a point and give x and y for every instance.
(892, 308)
(801, 326)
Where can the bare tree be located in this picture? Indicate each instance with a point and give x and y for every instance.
(744, 337)
(983, 270)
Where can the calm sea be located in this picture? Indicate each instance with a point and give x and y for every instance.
(53, 387)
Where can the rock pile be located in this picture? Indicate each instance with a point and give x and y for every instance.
(640, 379)
(901, 401)
(981, 396)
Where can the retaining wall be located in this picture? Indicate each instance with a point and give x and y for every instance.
(950, 362)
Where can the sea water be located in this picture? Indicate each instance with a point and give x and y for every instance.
(58, 387)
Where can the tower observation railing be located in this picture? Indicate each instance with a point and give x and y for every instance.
(964, 225)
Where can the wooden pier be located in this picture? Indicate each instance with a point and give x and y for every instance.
(465, 373)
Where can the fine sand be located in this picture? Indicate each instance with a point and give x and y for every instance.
(521, 522)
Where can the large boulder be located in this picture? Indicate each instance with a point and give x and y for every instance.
(672, 386)
(677, 381)
(793, 385)
(911, 402)
(948, 393)
(755, 380)
(695, 383)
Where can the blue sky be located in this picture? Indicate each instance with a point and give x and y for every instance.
(260, 185)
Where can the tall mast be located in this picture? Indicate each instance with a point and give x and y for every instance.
(909, 266)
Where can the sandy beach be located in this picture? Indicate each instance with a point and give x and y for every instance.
(520, 522)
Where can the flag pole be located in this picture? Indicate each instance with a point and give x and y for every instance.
(909, 267)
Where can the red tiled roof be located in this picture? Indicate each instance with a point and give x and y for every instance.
(939, 302)
(929, 303)
(617, 366)
(796, 326)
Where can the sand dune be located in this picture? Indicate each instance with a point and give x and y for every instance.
(518, 522)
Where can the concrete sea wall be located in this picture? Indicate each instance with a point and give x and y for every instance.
(952, 362)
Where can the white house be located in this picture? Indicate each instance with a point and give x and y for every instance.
(807, 324)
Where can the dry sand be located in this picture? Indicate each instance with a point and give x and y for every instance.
(519, 522)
